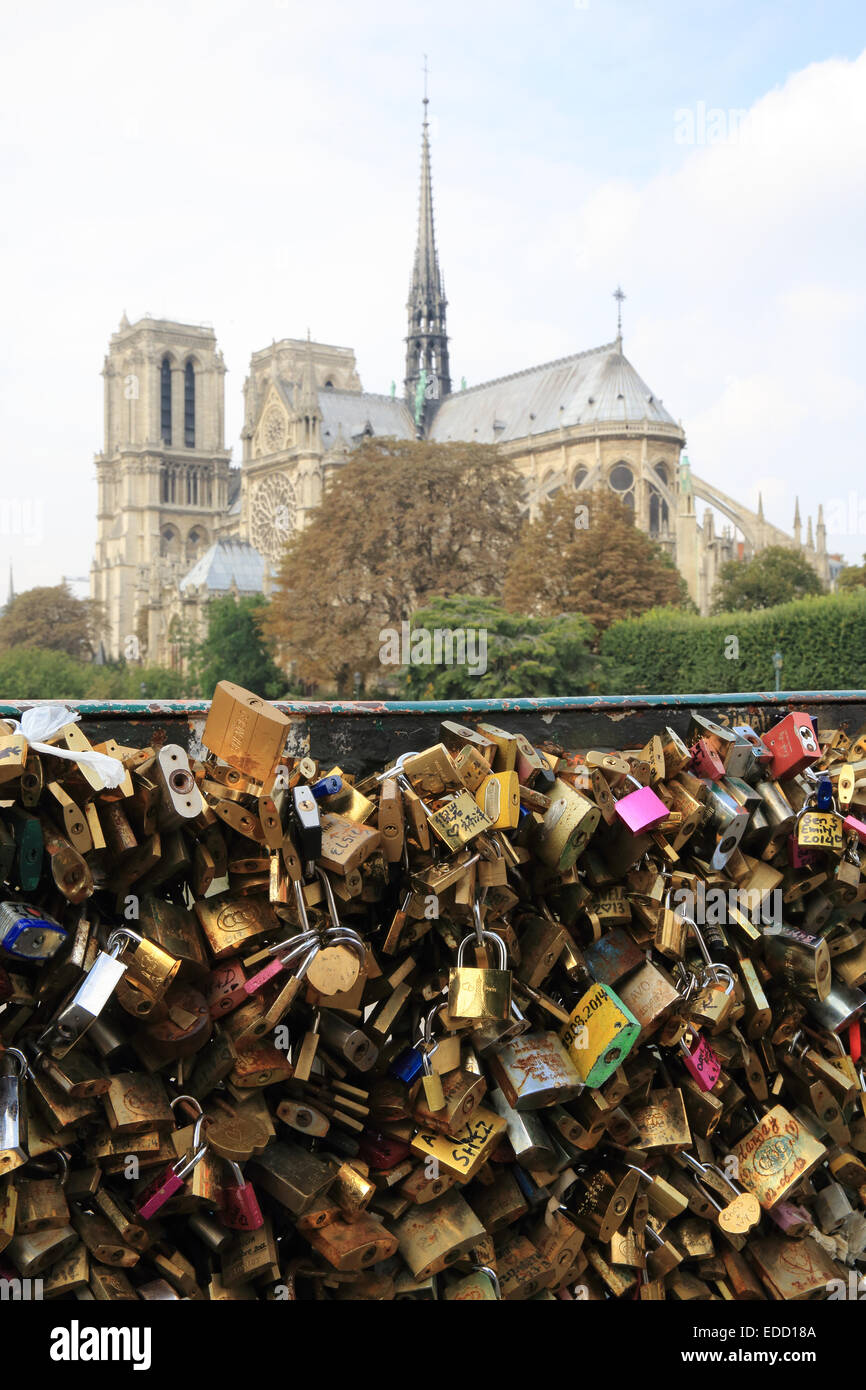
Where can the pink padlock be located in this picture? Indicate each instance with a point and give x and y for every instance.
(798, 856)
(641, 810)
(267, 972)
(306, 944)
(855, 827)
(793, 1220)
(171, 1180)
(706, 761)
(239, 1206)
(700, 1060)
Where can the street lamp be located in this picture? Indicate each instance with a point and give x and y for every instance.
(777, 667)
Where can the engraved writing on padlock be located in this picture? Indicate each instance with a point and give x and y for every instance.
(599, 1034)
(700, 1060)
(475, 992)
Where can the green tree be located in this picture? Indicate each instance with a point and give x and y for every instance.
(52, 619)
(403, 521)
(29, 673)
(236, 650)
(776, 575)
(508, 653)
(852, 576)
(584, 554)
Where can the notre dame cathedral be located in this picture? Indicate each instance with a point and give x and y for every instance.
(177, 525)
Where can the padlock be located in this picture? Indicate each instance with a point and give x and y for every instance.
(480, 992)
(246, 732)
(171, 1180)
(700, 1060)
(776, 1156)
(600, 1033)
(706, 761)
(818, 830)
(86, 1002)
(28, 934)
(673, 931)
(793, 745)
(149, 973)
(566, 827)
(535, 1070)
(640, 810)
(801, 960)
(13, 1110)
(239, 1207)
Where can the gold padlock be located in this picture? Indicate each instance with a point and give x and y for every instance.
(480, 992)
(150, 970)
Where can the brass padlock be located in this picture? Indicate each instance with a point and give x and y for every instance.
(480, 992)
(149, 972)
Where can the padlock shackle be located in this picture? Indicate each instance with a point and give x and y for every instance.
(114, 946)
(301, 903)
(329, 895)
(19, 1056)
(491, 1274)
(485, 936)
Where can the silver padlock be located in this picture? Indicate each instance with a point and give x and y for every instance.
(831, 1207)
(13, 1110)
(86, 1002)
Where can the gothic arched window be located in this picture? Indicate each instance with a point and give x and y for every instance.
(189, 406)
(165, 400)
(194, 544)
(622, 483)
(169, 543)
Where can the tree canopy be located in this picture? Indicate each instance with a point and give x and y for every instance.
(52, 619)
(852, 576)
(584, 554)
(235, 648)
(776, 575)
(401, 522)
(506, 653)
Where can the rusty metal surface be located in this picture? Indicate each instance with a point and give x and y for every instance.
(360, 735)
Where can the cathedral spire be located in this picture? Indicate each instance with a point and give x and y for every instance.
(428, 375)
(798, 528)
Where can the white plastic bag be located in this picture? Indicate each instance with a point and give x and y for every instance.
(42, 721)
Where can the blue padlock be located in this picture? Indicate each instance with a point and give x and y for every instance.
(824, 794)
(27, 933)
(408, 1065)
(326, 786)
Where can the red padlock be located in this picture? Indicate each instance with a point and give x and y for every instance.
(706, 761)
(793, 745)
(380, 1152)
(239, 1206)
(225, 988)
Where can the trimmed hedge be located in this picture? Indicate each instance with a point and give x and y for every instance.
(822, 640)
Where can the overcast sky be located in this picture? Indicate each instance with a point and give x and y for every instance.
(254, 164)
